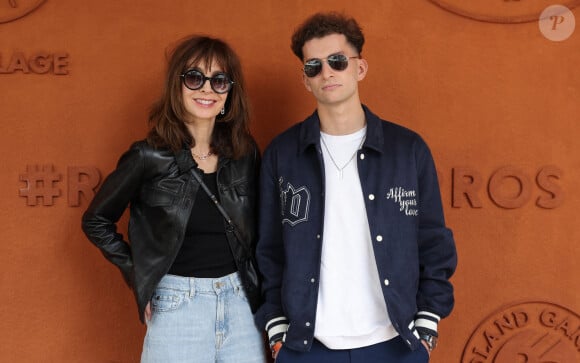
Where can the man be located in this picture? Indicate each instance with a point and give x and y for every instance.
(353, 248)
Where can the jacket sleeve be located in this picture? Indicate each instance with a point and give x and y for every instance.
(99, 222)
(270, 252)
(437, 253)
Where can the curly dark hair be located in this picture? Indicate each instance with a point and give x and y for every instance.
(323, 24)
(231, 136)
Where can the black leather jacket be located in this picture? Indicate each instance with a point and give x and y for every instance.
(159, 187)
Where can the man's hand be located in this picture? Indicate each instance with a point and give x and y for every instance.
(426, 347)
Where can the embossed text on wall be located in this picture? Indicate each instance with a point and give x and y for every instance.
(43, 184)
(508, 187)
(535, 331)
(38, 62)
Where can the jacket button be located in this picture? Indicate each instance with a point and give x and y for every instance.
(371, 197)
(362, 156)
(317, 236)
(379, 238)
(313, 280)
(307, 323)
(306, 342)
(386, 282)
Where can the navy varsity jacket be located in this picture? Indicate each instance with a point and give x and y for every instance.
(414, 251)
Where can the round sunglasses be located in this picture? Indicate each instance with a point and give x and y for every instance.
(338, 62)
(194, 80)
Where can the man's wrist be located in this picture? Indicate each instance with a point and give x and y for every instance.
(430, 340)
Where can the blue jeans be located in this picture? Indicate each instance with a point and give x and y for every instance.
(202, 320)
(391, 351)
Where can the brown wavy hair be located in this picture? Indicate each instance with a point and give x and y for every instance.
(231, 136)
(323, 24)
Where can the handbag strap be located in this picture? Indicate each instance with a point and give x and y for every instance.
(231, 225)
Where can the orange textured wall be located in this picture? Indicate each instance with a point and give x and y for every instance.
(498, 104)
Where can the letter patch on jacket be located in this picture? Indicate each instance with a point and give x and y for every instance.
(295, 203)
(407, 200)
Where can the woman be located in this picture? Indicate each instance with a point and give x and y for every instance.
(182, 262)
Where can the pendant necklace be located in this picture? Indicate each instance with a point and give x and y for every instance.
(202, 157)
(340, 169)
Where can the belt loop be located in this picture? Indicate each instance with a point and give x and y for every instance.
(235, 279)
(191, 286)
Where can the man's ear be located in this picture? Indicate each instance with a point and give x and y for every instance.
(363, 68)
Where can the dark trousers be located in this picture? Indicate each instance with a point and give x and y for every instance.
(392, 351)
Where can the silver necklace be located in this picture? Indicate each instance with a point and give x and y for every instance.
(202, 157)
(340, 169)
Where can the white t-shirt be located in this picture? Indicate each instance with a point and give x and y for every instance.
(351, 311)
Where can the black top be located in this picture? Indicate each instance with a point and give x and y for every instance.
(205, 251)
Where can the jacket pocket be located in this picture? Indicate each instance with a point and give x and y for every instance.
(156, 197)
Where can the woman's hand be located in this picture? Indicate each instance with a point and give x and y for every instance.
(148, 312)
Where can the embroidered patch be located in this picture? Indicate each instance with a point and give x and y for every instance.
(407, 200)
(295, 203)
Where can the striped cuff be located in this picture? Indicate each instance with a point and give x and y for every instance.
(426, 322)
(276, 329)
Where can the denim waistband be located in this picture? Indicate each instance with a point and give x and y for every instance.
(196, 284)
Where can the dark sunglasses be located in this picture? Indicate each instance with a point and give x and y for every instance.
(338, 62)
(194, 80)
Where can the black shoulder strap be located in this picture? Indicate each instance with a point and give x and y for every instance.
(232, 227)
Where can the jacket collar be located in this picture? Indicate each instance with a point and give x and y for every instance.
(184, 160)
(310, 132)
